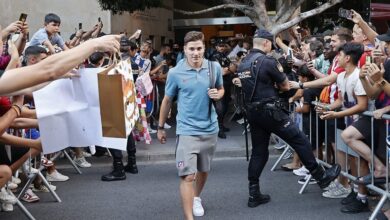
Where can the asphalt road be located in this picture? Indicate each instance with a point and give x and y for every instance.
(153, 194)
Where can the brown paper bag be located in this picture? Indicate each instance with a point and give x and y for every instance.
(118, 107)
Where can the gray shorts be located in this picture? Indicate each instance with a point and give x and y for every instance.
(194, 153)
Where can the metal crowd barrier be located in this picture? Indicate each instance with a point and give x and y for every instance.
(349, 152)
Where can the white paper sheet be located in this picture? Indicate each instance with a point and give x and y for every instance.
(69, 114)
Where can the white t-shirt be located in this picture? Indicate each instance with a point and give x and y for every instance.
(349, 88)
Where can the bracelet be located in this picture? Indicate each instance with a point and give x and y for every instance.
(19, 108)
(301, 85)
(16, 110)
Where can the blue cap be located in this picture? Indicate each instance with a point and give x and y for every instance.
(263, 34)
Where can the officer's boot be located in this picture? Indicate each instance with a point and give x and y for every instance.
(118, 173)
(325, 177)
(255, 196)
(131, 166)
(221, 133)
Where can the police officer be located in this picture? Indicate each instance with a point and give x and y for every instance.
(220, 55)
(262, 79)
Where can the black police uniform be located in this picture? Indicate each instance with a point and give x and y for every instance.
(258, 74)
(222, 105)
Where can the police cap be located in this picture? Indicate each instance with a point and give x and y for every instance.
(263, 34)
(220, 41)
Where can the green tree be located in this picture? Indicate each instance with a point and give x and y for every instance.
(119, 6)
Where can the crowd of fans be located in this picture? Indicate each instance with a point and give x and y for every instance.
(345, 71)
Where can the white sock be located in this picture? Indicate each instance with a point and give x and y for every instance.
(362, 197)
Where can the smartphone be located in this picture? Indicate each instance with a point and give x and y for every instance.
(23, 17)
(377, 43)
(99, 19)
(344, 13)
(368, 60)
(80, 26)
(289, 54)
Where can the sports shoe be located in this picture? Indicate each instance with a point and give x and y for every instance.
(30, 197)
(46, 162)
(349, 198)
(152, 131)
(301, 171)
(339, 191)
(12, 185)
(6, 197)
(355, 206)
(81, 162)
(56, 177)
(7, 207)
(240, 121)
(197, 207)
(16, 180)
(86, 154)
(43, 188)
(331, 185)
(288, 155)
(167, 126)
(303, 180)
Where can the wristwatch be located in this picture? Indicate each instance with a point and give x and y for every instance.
(301, 85)
(382, 83)
(160, 128)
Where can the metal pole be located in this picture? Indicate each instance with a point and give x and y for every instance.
(246, 138)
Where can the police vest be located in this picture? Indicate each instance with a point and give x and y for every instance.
(246, 74)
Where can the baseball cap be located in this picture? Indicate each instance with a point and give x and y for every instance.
(263, 34)
(384, 37)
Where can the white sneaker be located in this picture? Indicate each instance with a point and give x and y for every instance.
(337, 192)
(5, 197)
(12, 185)
(331, 185)
(303, 180)
(56, 177)
(7, 207)
(197, 208)
(43, 188)
(167, 126)
(301, 171)
(81, 162)
(240, 121)
(16, 180)
(152, 131)
(86, 154)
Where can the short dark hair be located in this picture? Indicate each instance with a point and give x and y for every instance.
(354, 50)
(34, 50)
(344, 34)
(51, 17)
(317, 47)
(96, 57)
(305, 72)
(133, 45)
(193, 36)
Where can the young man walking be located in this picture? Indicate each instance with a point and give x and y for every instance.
(196, 82)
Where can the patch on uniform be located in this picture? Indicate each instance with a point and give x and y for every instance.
(180, 164)
(280, 68)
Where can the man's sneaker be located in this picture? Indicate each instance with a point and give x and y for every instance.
(152, 131)
(86, 154)
(56, 177)
(197, 207)
(301, 171)
(355, 206)
(46, 162)
(43, 188)
(16, 180)
(81, 162)
(240, 121)
(167, 126)
(12, 185)
(339, 191)
(332, 184)
(7, 207)
(5, 197)
(30, 197)
(349, 198)
(303, 180)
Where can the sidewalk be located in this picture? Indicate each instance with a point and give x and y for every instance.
(232, 146)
